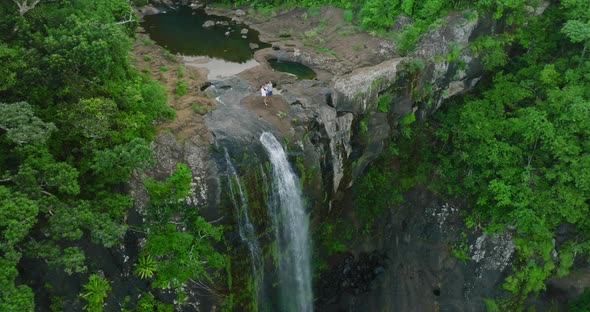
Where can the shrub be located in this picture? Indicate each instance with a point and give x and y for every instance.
(181, 88)
(181, 70)
(147, 41)
(95, 291)
(383, 103)
(199, 109)
(145, 267)
(348, 16)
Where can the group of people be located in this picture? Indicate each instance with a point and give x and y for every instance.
(266, 92)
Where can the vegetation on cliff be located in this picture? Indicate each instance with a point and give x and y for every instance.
(519, 148)
(516, 148)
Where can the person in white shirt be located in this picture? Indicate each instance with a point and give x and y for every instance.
(264, 93)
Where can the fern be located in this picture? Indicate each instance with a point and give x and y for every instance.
(145, 267)
(95, 291)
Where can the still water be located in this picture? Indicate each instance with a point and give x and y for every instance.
(181, 31)
(297, 69)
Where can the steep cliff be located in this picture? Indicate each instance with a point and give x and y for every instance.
(337, 125)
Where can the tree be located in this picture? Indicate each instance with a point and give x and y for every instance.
(89, 118)
(22, 126)
(12, 64)
(522, 156)
(577, 27)
(116, 164)
(18, 215)
(182, 250)
(25, 6)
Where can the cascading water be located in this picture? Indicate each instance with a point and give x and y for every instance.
(245, 227)
(291, 224)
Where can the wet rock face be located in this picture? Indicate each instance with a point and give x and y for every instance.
(415, 270)
(349, 277)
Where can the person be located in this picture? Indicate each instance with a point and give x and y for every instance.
(264, 94)
(269, 91)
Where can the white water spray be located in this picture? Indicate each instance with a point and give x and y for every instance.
(292, 229)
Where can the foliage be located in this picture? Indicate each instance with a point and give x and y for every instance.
(383, 103)
(491, 305)
(145, 267)
(522, 155)
(116, 164)
(580, 304)
(148, 303)
(182, 255)
(363, 126)
(184, 252)
(21, 124)
(331, 238)
(493, 50)
(348, 15)
(75, 120)
(199, 109)
(375, 192)
(406, 163)
(181, 71)
(95, 291)
(181, 88)
(17, 217)
(175, 188)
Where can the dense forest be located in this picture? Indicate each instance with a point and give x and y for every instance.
(76, 120)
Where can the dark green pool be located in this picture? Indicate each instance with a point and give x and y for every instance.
(181, 31)
(297, 69)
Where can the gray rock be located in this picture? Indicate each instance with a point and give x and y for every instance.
(196, 5)
(244, 31)
(222, 23)
(227, 34)
(150, 10)
(253, 46)
(208, 24)
(240, 13)
(354, 91)
(402, 21)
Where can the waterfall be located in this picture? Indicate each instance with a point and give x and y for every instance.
(291, 230)
(245, 227)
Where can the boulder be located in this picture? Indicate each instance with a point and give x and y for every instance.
(208, 24)
(149, 10)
